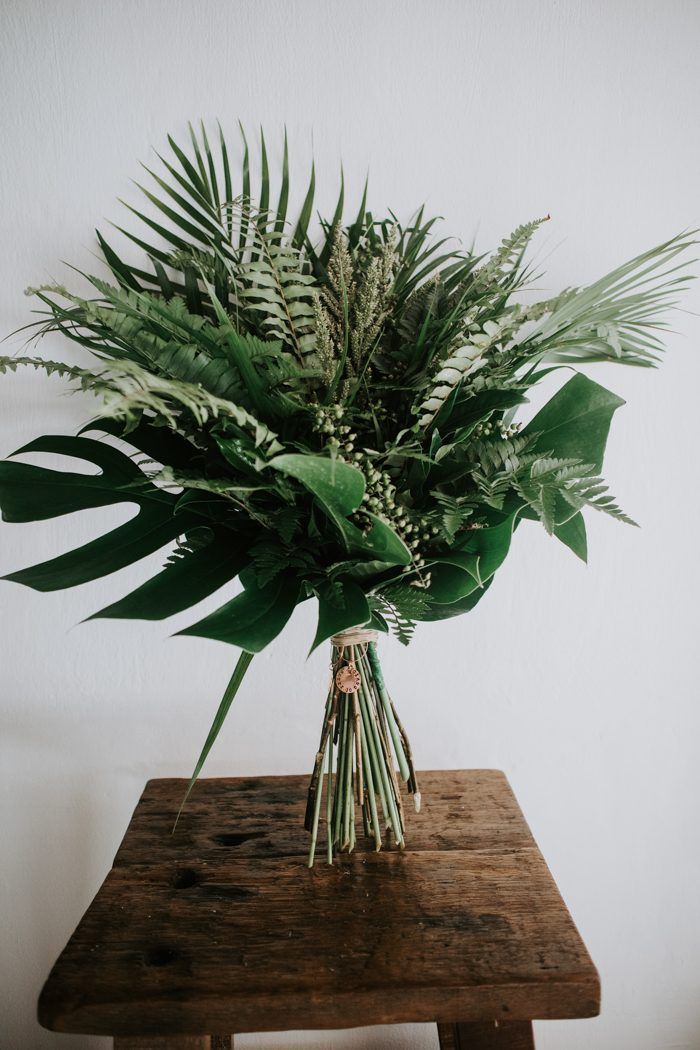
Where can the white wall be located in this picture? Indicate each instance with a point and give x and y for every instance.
(581, 681)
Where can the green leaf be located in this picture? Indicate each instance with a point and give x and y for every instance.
(284, 190)
(157, 442)
(575, 422)
(29, 493)
(338, 486)
(573, 534)
(436, 611)
(253, 618)
(181, 584)
(231, 689)
(302, 227)
(152, 528)
(343, 607)
(450, 580)
(380, 543)
(383, 543)
(491, 545)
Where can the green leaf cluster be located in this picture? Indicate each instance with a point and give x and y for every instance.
(325, 408)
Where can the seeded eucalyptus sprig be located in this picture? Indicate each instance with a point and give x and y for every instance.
(326, 409)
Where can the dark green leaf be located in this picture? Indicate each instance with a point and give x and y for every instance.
(346, 606)
(575, 422)
(573, 534)
(153, 527)
(337, 485)
(253, 618)
(181, 584)
(435, 611)
(231, 689)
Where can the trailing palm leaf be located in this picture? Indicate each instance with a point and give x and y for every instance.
(326, 410)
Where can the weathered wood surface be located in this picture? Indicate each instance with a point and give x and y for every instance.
(222, 928)
(174, 1042)
(487, 1035)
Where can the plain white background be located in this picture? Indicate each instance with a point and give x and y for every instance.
(580, 682)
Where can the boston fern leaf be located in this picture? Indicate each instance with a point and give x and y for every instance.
(401, 605)
(548, 482)
(276, 286)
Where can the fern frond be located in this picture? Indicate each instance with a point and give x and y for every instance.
(277, 285)
(550, 479)
(504, 262)
(39, 364)
(401, 604)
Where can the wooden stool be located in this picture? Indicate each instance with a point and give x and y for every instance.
(222, 928)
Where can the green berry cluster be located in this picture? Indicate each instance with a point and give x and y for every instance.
(495, 429)
(380, 499)
(380, 491)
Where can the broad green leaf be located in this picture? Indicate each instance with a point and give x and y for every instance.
(576, 421)
(491, 545)
(339, 608)
(458, 413)
(573, 534)
(157, 442)
(436, 611)
(183, 583)
(380, 543)
(153, 527)
(453, 577)
(253, 618)
(29, 493)
(383, 543)
(337, 485)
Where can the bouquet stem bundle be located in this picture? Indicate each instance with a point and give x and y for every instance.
(362, 742)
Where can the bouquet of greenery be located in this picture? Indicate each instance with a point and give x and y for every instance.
(328, 411)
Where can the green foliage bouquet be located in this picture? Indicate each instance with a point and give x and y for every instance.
(327, 411)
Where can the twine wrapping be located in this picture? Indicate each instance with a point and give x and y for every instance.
(353, 636)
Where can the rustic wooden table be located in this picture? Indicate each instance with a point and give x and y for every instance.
(221, 927)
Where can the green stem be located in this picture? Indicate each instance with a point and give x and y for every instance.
(329, 801)
(373, 658)
(314, 827)
(347, 791)
(340, 776)
(369, 785)
(380, 760)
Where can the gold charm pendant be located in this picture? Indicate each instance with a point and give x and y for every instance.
(348, 679)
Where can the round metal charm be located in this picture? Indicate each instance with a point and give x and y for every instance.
(348, 679)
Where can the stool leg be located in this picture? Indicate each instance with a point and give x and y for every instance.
(486, 1035)
(174, 1042)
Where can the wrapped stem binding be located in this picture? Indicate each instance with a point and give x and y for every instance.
(362, 744)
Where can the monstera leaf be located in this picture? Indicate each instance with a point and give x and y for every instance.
(30, 493)
(184, 582)
(253, 618)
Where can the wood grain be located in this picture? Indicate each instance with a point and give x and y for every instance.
(173, 1042)
(222, 928)
(487, 1035)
